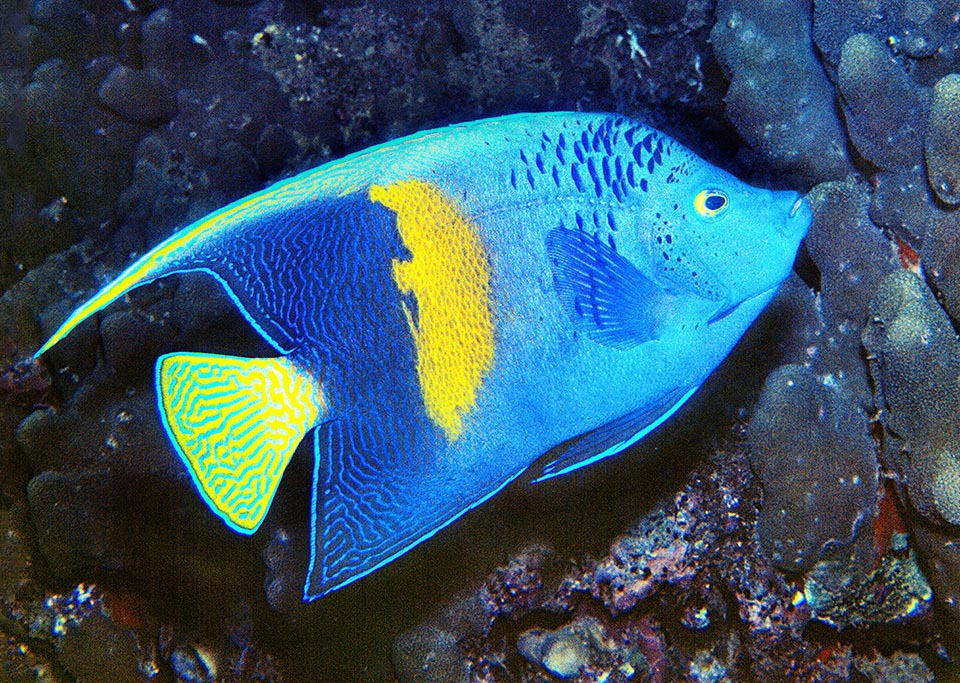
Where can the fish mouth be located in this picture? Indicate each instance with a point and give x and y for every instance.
(796, 207)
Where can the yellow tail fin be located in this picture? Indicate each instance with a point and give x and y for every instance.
(236, 423)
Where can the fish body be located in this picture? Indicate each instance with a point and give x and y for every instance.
(448, 307)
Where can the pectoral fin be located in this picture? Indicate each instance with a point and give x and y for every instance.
(236, 423)
(605, 295)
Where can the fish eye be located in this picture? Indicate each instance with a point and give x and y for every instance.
(709, 203)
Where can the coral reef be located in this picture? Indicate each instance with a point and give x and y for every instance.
(916, 356)
(817, 538)
(779, 97)
(941, 146)
(657, 606)
(815, 459)
(884, 108)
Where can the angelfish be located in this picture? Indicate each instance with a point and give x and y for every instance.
(450, 306)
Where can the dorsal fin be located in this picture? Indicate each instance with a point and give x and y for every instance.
(182, 252)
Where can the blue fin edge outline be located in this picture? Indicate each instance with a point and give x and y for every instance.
(236, 302)
(617, 447)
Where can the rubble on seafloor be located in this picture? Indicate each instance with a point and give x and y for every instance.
(95, 635)
(816, 542)
(685, 594)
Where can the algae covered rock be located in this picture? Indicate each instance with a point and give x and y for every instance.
(779, 99)
(427, 654)
(139, 95)
(567, 651)
(943, 140)
(905, 203)
(896, 590)
(852, 256)
(916, 364)
(812, 451)
(919, 28)
(883, 107)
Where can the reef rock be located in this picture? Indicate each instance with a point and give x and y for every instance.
(943, 141)
(882, 105)
(780, 99)
(852, 255)
(812, 451)
(138, 95)
(904, 203)
(919, 28)
(915, 357)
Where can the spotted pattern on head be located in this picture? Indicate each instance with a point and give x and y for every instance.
(584, 159)
(590, 160)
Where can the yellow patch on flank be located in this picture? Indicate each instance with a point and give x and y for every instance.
(236, 423)
(450, 276)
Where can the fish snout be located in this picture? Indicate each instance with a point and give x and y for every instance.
(799, 214)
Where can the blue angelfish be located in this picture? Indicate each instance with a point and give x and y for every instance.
(448, 307)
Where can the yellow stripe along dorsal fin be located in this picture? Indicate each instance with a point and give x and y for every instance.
(236, 423)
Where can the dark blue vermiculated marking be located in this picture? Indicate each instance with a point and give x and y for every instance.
(513, 178)
(380, 441)
(330, 287)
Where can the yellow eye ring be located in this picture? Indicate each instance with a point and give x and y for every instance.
(710, 203)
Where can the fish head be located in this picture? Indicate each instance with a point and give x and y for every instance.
(723, 239)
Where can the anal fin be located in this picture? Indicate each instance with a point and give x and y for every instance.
(380, 490)
(235, 423)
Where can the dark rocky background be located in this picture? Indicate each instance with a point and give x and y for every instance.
(798, 520)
